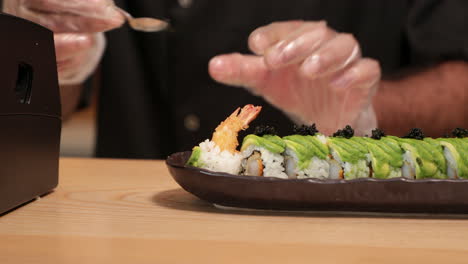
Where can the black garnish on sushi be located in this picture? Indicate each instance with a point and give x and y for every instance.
(377, 134)
(264, 130)
(305, 130)
(460, 132)
(415, 133)
(346, 132)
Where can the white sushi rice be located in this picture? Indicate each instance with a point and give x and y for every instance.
(272, 162)
(395, 173)
(358, 170)
(212, 158)
(317, 168)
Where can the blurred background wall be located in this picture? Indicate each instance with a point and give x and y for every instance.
(78, 133)
(79, 130)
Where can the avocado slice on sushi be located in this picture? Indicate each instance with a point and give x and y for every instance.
(194, 159)
(262, 156)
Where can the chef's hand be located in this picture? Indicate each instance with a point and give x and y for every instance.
(311, 72)
(77, 27)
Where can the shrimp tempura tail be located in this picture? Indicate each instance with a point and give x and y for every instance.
(225, 135)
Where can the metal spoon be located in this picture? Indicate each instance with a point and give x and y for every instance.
(146, 24)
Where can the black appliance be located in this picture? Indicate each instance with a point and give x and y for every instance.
(30, 112)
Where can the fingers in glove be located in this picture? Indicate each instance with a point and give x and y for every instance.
(63, 66)
(238, 70)
(365, 72)
(68, 45)
(75, 67)
(265, 37)
(72, 62)
(356, 86)
(72, 16)
(88, 8)
(333, 56)
(298, 45)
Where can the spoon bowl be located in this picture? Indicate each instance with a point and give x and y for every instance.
(146, 24)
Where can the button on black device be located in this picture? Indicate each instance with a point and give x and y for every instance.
(24, 83)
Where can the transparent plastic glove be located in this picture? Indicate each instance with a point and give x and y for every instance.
(308, 70)
(77, 27)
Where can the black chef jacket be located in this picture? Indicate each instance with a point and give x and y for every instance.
(156, 95)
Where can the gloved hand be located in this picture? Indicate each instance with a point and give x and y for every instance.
(311, 72)
(77, 27)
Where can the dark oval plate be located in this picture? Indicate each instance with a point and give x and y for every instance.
(368, 195)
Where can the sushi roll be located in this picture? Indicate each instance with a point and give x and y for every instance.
(220, 154)
(262, 154)
(309, 154)
(306, 154)
(385, 156)
(349, 158)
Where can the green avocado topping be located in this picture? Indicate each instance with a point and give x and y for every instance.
(306, 147)
(272, 143)
(194, 158)
(348, 150)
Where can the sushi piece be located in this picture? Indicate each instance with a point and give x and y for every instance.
(306, 154)
(421, 158)
(385, 156)
(220, 154)
(262, 156)
(456, 154)
(349, 158)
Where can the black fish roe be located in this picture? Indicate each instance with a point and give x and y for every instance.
(377, 134)
(346, 132)
(264, 130)
(460, 132)
(305, 130)
(415, 133)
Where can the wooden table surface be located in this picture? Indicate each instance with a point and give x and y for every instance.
(123, 211)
